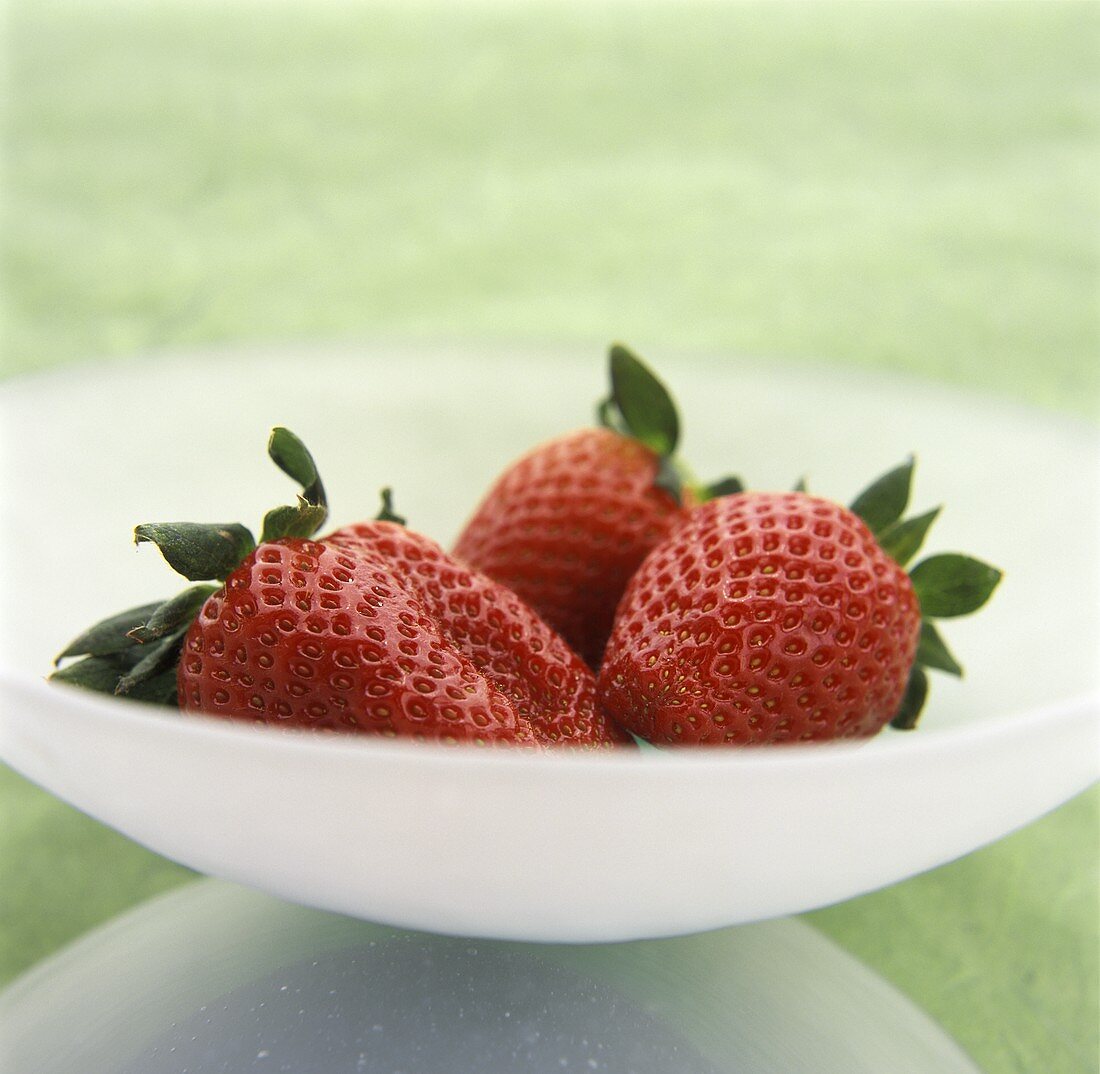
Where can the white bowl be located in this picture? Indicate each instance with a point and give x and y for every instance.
(541, 847)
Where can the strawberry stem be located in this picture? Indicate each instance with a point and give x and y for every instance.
(386, 512)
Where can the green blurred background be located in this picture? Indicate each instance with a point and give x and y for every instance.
(902, 186)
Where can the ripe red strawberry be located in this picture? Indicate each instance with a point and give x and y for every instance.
(374, 630)
(568, 523)
(783, 617)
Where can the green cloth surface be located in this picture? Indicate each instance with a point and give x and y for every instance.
(893, 186)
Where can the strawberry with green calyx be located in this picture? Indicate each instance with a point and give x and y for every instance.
(567, 524)
(784, 617)
(372, 630)
(135, 652)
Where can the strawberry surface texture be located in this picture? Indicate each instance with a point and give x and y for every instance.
(764, 618)
(567, 525)
(376, 630)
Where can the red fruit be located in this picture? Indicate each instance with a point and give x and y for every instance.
(567, 525)
(779, 617)
(376, 630)
(373, 630)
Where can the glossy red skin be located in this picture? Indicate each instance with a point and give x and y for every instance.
(375, 630)
(567, 525)
(765, 618)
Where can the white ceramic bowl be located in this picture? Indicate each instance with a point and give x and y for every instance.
(540, 847)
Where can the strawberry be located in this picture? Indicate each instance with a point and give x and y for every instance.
(567, 524)
(784, 617)
(374, 630)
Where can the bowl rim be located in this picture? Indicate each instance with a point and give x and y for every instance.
(650, 763)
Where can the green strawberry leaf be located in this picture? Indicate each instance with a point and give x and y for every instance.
(643, 402)
(294, 459)
(883, 502)
(199, 551)
(800, 485)
(109, 636)
(951, 584)
(178, 611)
(101, 674)
(916, 693)
(304, 520)
(309, 514)
(726, 486)
(932, 651)
(903, 540)
(158, 656)
(161, 689)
